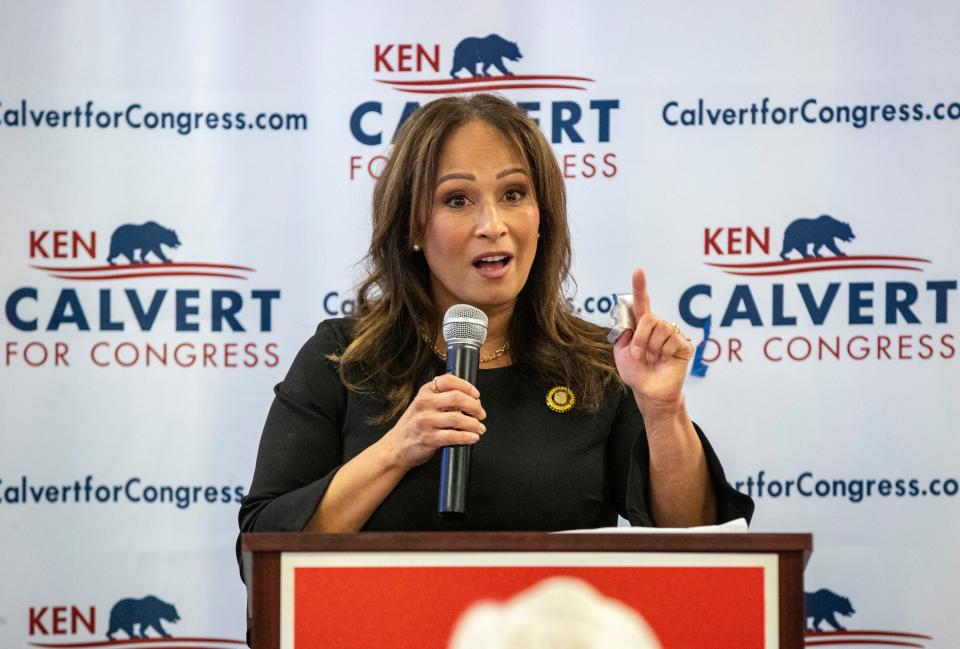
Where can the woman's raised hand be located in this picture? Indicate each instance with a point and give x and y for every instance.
(445, 412)
(652, 360)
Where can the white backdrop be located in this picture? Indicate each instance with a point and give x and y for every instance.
(122, 466)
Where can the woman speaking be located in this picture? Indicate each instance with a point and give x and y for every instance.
(566, 430)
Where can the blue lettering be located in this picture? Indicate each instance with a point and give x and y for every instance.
(741, 296)
(684, 307)
(266, 298)
(565, 124)
(858, 303)
(603, 108)
(565, 117)
(802, 484)
(128, 490)
(226, 310)
(68, 311)
(145, 318)
(940, 289)
(220, 313)
(106, 324)
(129, 117)
(779, 319)
(332, 295)
(895, 302)
(818, 312)
(11, 307)
(666, 117)
(355, 119)
(184, 309)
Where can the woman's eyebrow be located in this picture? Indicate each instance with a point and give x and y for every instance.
(463, 176)
(443, 179)
(507, 172)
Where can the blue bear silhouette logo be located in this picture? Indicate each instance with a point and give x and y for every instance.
(818, 232)
(145, 613)
(147, 237)
(487, 51)
(824, 605)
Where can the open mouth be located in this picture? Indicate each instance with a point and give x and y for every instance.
(493, 262)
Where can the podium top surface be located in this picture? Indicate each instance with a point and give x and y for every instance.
(526, 542)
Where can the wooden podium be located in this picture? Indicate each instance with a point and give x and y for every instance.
(696, 591)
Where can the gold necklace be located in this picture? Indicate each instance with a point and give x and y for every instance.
(500, 351)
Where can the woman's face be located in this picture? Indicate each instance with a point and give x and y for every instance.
(481, 234)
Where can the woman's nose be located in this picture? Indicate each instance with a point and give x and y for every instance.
(490, 223)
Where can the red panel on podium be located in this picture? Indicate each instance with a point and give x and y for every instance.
(409, 589)
(417, 607)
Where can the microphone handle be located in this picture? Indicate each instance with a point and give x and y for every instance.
(463, 362)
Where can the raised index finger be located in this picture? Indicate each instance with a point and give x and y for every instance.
(641, 299)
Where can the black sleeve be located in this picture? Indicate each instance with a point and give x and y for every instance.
(629, 459)
(300, 447)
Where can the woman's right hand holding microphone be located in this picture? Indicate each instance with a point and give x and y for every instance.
(445, 412)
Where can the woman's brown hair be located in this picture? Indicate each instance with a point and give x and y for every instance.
(388, 356)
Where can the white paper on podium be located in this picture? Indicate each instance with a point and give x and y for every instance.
(737, 525)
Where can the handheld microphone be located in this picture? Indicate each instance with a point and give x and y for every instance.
(464, 330)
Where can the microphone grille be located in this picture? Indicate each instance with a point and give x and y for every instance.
(465, 323)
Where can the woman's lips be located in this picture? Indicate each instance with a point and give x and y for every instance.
(493, 269)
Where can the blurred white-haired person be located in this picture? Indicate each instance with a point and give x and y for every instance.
(557, 613)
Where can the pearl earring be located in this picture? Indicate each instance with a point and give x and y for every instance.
(416, 248)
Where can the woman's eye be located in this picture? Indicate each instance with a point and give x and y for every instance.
(513, 195)
(458, 200)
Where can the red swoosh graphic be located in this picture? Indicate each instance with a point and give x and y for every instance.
(174, 642)
(819, 269)
(103, 278)
(181, 264)
(474, 80)
(897, 634)
(892, 643)
(500, 86)
(821, 260)
(150, 644)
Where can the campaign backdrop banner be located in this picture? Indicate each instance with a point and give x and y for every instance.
(186, 194)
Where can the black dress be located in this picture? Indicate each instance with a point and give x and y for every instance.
(534, 469)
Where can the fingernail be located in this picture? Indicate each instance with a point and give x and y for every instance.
(651, 358)
(483, 428)
(635, 353)
(476, 394)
